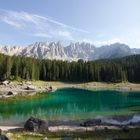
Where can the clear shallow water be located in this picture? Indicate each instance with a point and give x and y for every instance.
(70, 104)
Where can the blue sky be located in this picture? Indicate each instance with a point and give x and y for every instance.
(97, 21)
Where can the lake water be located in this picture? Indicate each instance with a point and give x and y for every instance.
(70, 104)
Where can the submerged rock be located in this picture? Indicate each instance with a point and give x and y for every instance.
(35, 124)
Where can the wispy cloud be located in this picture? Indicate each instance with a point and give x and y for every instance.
(39, 26)
(107, 42)
(41, 34)
(87, 40)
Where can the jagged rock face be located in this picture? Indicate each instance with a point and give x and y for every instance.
(10, 50)
(72, 52)
(112, 51)
(80, 50)
(36, 50)
(87, 51)
(57, 51)
(43, 50)
(135, 51)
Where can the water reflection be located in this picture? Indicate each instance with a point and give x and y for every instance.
(70, 104)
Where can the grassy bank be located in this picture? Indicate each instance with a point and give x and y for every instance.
(93, 85)
(96, 135)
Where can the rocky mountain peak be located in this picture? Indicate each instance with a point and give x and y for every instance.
(72, 52)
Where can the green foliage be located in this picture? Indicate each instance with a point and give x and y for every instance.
(12, 77)
(114, 70)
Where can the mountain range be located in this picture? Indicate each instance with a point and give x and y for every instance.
(71, 52)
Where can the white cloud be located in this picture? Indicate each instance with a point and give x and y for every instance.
(64, 33)
(107, 42)
(18, 19)
(87, 40)
(17, 25)
(44, 35)
(39, 25)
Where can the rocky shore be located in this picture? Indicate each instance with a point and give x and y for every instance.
(112, 122)
(23, 88)
(37, 126)
(13, 88)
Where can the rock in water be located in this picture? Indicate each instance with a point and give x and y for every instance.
(35, 124)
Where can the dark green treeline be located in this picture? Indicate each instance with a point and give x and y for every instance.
(115, 70)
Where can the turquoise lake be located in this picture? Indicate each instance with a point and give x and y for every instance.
(70, 104)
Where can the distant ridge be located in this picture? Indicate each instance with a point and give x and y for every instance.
(72, 52)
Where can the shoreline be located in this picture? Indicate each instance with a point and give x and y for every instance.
(101, 86)
(42, 86)
(110, 122)
(69, 128)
